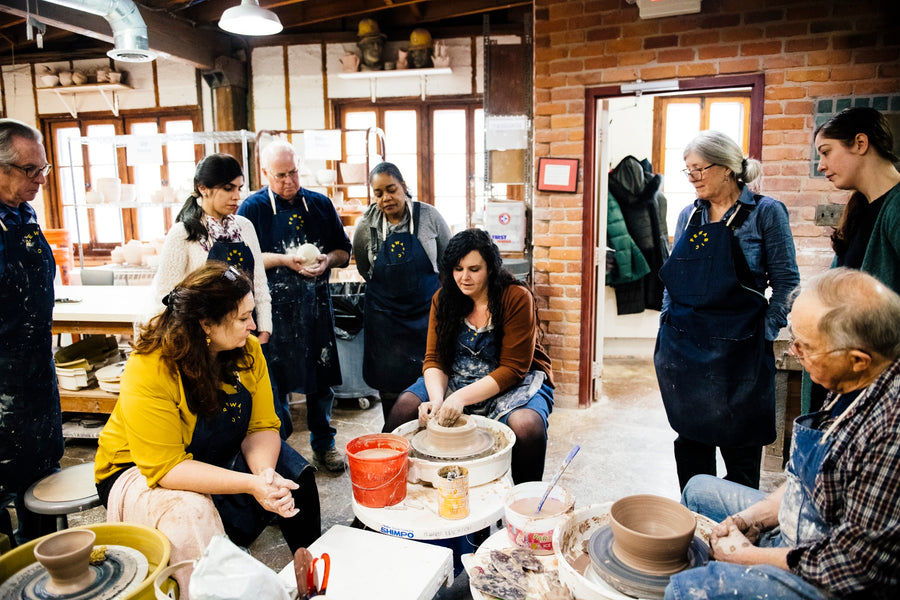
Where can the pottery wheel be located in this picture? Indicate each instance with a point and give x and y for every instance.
(629, 580)
(422, 444)
(124, 569)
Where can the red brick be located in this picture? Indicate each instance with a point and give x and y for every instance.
(739, 65)
(804, 11)
(717, 51)
(875, 55)
(764, 16)
(784, 153)
(741, 34)
(784, 61)
(565, 254)
(550, 135)
(550, 82)
(567, 148)
(565, 227)
(854, 41)
(563, 10)
(679, 55)
(569, 36)
(679, 25)
(804, 107)
(699, 38)
(586, 51)
(760, 48)
(641, 29)
(637, 58)
(803, 75)
(600, 34)
(889, 71)
(855, 72)
(775, 78)
(596, 6)
(548, 54)
(791, 184)
(880, 86)
(567, 93)
(663, 72)
(798, 137)
(660, 41)
(828, 58)
(830, 26)
(619, 75)
(828, 89)
(623, 45)
(773, 108)
(771, 138)
(806, 45)
(783, 30)
(785, 122)
(576, 135)
(600, 62)
(696, 69)
(550, 109)
(720, 22)
(566, 66)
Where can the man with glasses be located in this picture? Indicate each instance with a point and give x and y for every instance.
(31, 441)
(302, 351)
(832, 530)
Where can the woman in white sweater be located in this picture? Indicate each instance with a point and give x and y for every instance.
(207, 229)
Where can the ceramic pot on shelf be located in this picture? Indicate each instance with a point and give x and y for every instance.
(50, 79)
(65, 77)
(115, 77)
(79, 78)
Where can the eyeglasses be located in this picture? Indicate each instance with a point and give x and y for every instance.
(697, 174)
(279, 176)
(231, 273)
(31, 172)
(796, 350)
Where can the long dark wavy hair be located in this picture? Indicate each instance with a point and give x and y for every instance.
(454, 306)
(213, 292)
(844, 127)
(215, 170)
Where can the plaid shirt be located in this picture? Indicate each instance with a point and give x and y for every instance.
(857, 493)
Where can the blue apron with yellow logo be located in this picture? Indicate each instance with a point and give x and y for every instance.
(715, 370)
(235, 254)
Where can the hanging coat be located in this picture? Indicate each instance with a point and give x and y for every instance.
(398, 304)
(31, 441)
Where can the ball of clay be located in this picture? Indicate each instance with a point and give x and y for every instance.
(308, 254)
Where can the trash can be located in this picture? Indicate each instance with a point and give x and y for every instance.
(348, 300)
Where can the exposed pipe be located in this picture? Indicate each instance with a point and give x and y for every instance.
(128, 28)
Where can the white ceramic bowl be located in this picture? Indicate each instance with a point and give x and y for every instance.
(326, 176)
(50, 79)
(110, 187)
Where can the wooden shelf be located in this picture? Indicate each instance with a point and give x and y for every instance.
(373, 76)
(112, 101)
(88, 400)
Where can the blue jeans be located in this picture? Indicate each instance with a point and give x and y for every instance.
(717, 498)
(318, 419)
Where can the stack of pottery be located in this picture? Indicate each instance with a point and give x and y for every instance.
(110, 188)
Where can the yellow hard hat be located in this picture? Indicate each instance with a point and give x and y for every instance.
(369, 28)
(420, 38)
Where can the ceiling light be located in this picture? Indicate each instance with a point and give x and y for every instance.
(250, 19)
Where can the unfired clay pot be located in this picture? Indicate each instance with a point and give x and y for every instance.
(67, 555)
(462, 434)
(652, 534)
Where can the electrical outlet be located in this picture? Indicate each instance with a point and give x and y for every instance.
(828, 215)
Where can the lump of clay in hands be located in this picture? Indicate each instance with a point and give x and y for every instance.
(307, 253)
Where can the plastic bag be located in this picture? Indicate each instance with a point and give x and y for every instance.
(225, 572)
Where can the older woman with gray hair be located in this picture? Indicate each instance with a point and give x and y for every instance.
(832, 530)
(714, 357)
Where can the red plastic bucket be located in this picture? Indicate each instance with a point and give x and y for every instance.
(378, 465)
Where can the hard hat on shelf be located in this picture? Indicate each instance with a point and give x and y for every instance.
(420, 38)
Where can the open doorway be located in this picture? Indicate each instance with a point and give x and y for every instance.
(654, 126)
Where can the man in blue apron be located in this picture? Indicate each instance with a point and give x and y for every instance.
(31, 441)
(832, 530)
(302, 351)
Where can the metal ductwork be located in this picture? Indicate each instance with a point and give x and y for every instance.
(128, 28)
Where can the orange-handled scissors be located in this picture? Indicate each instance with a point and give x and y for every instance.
(312, 576)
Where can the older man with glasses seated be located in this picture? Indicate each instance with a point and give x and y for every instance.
(832, 530)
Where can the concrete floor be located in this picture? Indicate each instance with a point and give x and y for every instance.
(625, 439)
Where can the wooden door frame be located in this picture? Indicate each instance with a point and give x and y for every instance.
(587, 347)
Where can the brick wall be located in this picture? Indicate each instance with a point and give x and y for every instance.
(807, 49)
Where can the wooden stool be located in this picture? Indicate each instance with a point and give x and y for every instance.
(67, 491)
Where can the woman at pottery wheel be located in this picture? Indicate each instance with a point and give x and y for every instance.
(192, 446)
(832, 530)
(483, 354)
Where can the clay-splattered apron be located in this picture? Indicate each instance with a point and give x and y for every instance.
(715, 373)
(31, 441)
(477, 354)
(236, 254)
(302, 351)
(398, 304)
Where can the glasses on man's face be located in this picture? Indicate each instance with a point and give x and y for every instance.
(281, 176)
(796, 350)
(697, 174)
(31, 171)
(231, 273)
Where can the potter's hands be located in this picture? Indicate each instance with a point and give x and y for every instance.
(428, 410)
(450, 410)
(273, 492)
(750, 529)
(728, 544)
(317, 268)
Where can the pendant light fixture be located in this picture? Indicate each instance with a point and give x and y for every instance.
(250, 19)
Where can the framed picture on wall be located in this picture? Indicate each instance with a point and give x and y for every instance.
(557, 174)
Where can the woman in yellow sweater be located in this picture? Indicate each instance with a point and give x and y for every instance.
(192, 446)
(483, 354)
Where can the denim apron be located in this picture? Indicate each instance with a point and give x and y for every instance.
(715, 373)
(798, 517)
(235, 254)
(398, 304)
(217, 441)
(31, 441)
(477, 354)
(302, 351)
